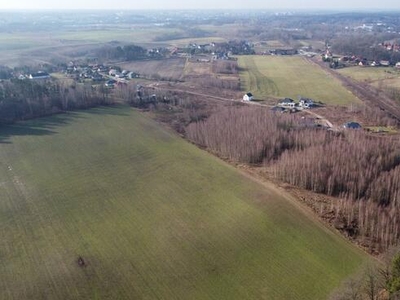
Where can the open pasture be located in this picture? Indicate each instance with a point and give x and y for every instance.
(106, 204)
(291, 76)
(370, 74)
(379, 77)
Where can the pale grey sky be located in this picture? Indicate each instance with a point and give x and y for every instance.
(205, 4)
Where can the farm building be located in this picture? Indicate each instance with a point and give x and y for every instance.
(352, 125)
(248, 97)
(287, 102)
(97, 77)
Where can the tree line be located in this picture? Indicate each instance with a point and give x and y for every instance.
(121, 53)
(25, 99)
(366, 46)
(378, 281)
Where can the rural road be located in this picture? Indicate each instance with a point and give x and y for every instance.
(322, 120)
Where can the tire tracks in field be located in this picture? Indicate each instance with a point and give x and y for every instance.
(262, 83)
(29, 212)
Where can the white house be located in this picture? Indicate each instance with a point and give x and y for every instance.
(398, 65)
(306, 103)
(248, 97)
(287, 102)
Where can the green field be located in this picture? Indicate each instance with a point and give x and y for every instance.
(153, 217)
(370, 74)
(291, 76)
(379, 77)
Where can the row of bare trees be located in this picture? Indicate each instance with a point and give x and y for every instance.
(249, 134)
(24, 99)
(360, 169)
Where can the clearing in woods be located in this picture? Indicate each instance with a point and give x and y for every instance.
(291, 76)
(105, 204)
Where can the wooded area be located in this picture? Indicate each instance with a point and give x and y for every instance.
(24, 99)
(363, 171)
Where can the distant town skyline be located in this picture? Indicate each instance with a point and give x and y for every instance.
(383, 5)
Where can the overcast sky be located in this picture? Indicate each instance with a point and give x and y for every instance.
(204, 4)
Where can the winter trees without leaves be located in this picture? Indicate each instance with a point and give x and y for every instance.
(24, 99)
(359, 168)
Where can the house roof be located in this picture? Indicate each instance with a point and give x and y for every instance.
(287, 100)
(39, 75)
(352, 125)
(307, 100)
(249, 94)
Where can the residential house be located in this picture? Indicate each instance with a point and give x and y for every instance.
(352, 125)
(306, 102)
(119, 75)
(248, 97)
(132, 75)
(112, 72)
(398, 65)
(287, 102)
(110, 83)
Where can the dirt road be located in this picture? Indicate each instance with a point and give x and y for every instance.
(321, 119)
